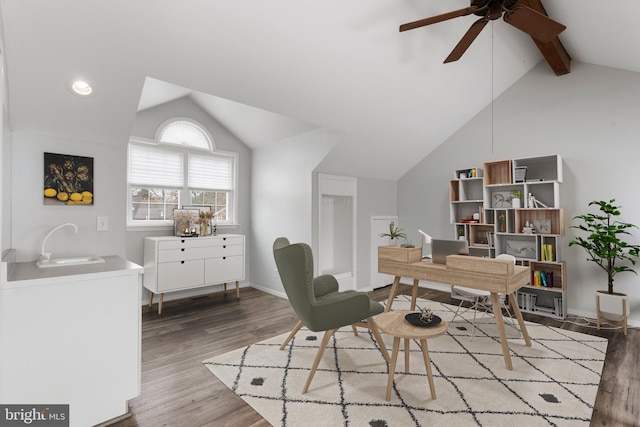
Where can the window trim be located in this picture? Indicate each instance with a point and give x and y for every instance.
(185, 189)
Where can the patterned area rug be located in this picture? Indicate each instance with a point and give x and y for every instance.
(553, 383)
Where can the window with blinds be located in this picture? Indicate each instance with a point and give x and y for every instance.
(164, 176)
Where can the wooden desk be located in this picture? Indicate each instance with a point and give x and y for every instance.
(493, 275)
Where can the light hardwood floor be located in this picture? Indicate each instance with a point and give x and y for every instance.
(177, 390)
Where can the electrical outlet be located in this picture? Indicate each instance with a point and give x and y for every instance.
(275, 273)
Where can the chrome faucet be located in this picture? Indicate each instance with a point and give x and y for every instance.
(45, 256)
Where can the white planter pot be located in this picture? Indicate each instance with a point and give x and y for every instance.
(612, 309)
(515, 203)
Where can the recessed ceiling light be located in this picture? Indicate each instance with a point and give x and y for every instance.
(82, 88)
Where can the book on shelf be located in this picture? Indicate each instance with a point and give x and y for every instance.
(526, 301)
(559, 309)
(543, 278)
(547, 252)
(545, 309)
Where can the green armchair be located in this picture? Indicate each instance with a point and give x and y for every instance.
(317, 301)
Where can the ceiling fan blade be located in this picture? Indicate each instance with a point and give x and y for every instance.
(537, 25)
(438, 18)
(466, 40)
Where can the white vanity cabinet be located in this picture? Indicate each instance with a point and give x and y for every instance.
(71, 335)
(178, 263)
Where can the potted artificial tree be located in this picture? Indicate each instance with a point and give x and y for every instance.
(395, 234)
(605, 246)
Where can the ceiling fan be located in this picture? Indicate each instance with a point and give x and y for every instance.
(538, 25)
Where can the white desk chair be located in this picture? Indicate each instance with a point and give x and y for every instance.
(481, 299)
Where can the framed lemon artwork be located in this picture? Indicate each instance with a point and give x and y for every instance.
(68, 180)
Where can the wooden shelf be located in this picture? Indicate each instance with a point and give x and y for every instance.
(500, 172)
(478, 234)
(558, 270)
(454, 190)
(536, 216)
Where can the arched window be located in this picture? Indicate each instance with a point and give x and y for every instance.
(186, 133)
(180, 168)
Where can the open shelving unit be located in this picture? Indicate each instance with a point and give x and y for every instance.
(482, 213)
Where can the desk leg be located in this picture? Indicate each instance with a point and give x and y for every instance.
(516, 310)
(414, 294)
(427, 364)
(392, 366)
(497, 312)
(392, 294)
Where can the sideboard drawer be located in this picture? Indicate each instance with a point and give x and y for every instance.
(180, 275)
(224, 240)
(189, 242)
(225, 269)
(184, 254)
(226, 250)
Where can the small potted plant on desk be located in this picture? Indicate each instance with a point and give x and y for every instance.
(605, 246)
(395, 234)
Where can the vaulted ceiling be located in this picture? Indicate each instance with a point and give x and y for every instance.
(268, 70)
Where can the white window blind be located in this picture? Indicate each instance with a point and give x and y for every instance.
(153, 167)
(185, 133)
(210, 172)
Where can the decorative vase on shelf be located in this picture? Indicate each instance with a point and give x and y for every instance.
(515, 203)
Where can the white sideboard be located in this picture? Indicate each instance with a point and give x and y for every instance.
(179, 263)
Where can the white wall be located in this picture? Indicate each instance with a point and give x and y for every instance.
(282, 199)
(5, 149)
(589, 117)
(376, 197)
(32, 220)
(145, 126)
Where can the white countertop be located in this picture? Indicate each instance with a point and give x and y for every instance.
(21, 274)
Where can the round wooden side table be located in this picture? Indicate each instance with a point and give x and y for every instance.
(394, 324)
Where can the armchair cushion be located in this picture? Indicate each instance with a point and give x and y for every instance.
(324, 284)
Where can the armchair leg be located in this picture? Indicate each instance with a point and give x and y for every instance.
(291, 335)
(323, 344)
(355, 330)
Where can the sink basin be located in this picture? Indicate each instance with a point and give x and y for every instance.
(62, 262)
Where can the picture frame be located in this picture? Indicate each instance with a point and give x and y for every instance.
(68, 180)
(524, 249)
(204, 208)
(542, 226)
(206, 228)
(185, 221)
(501, 199)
